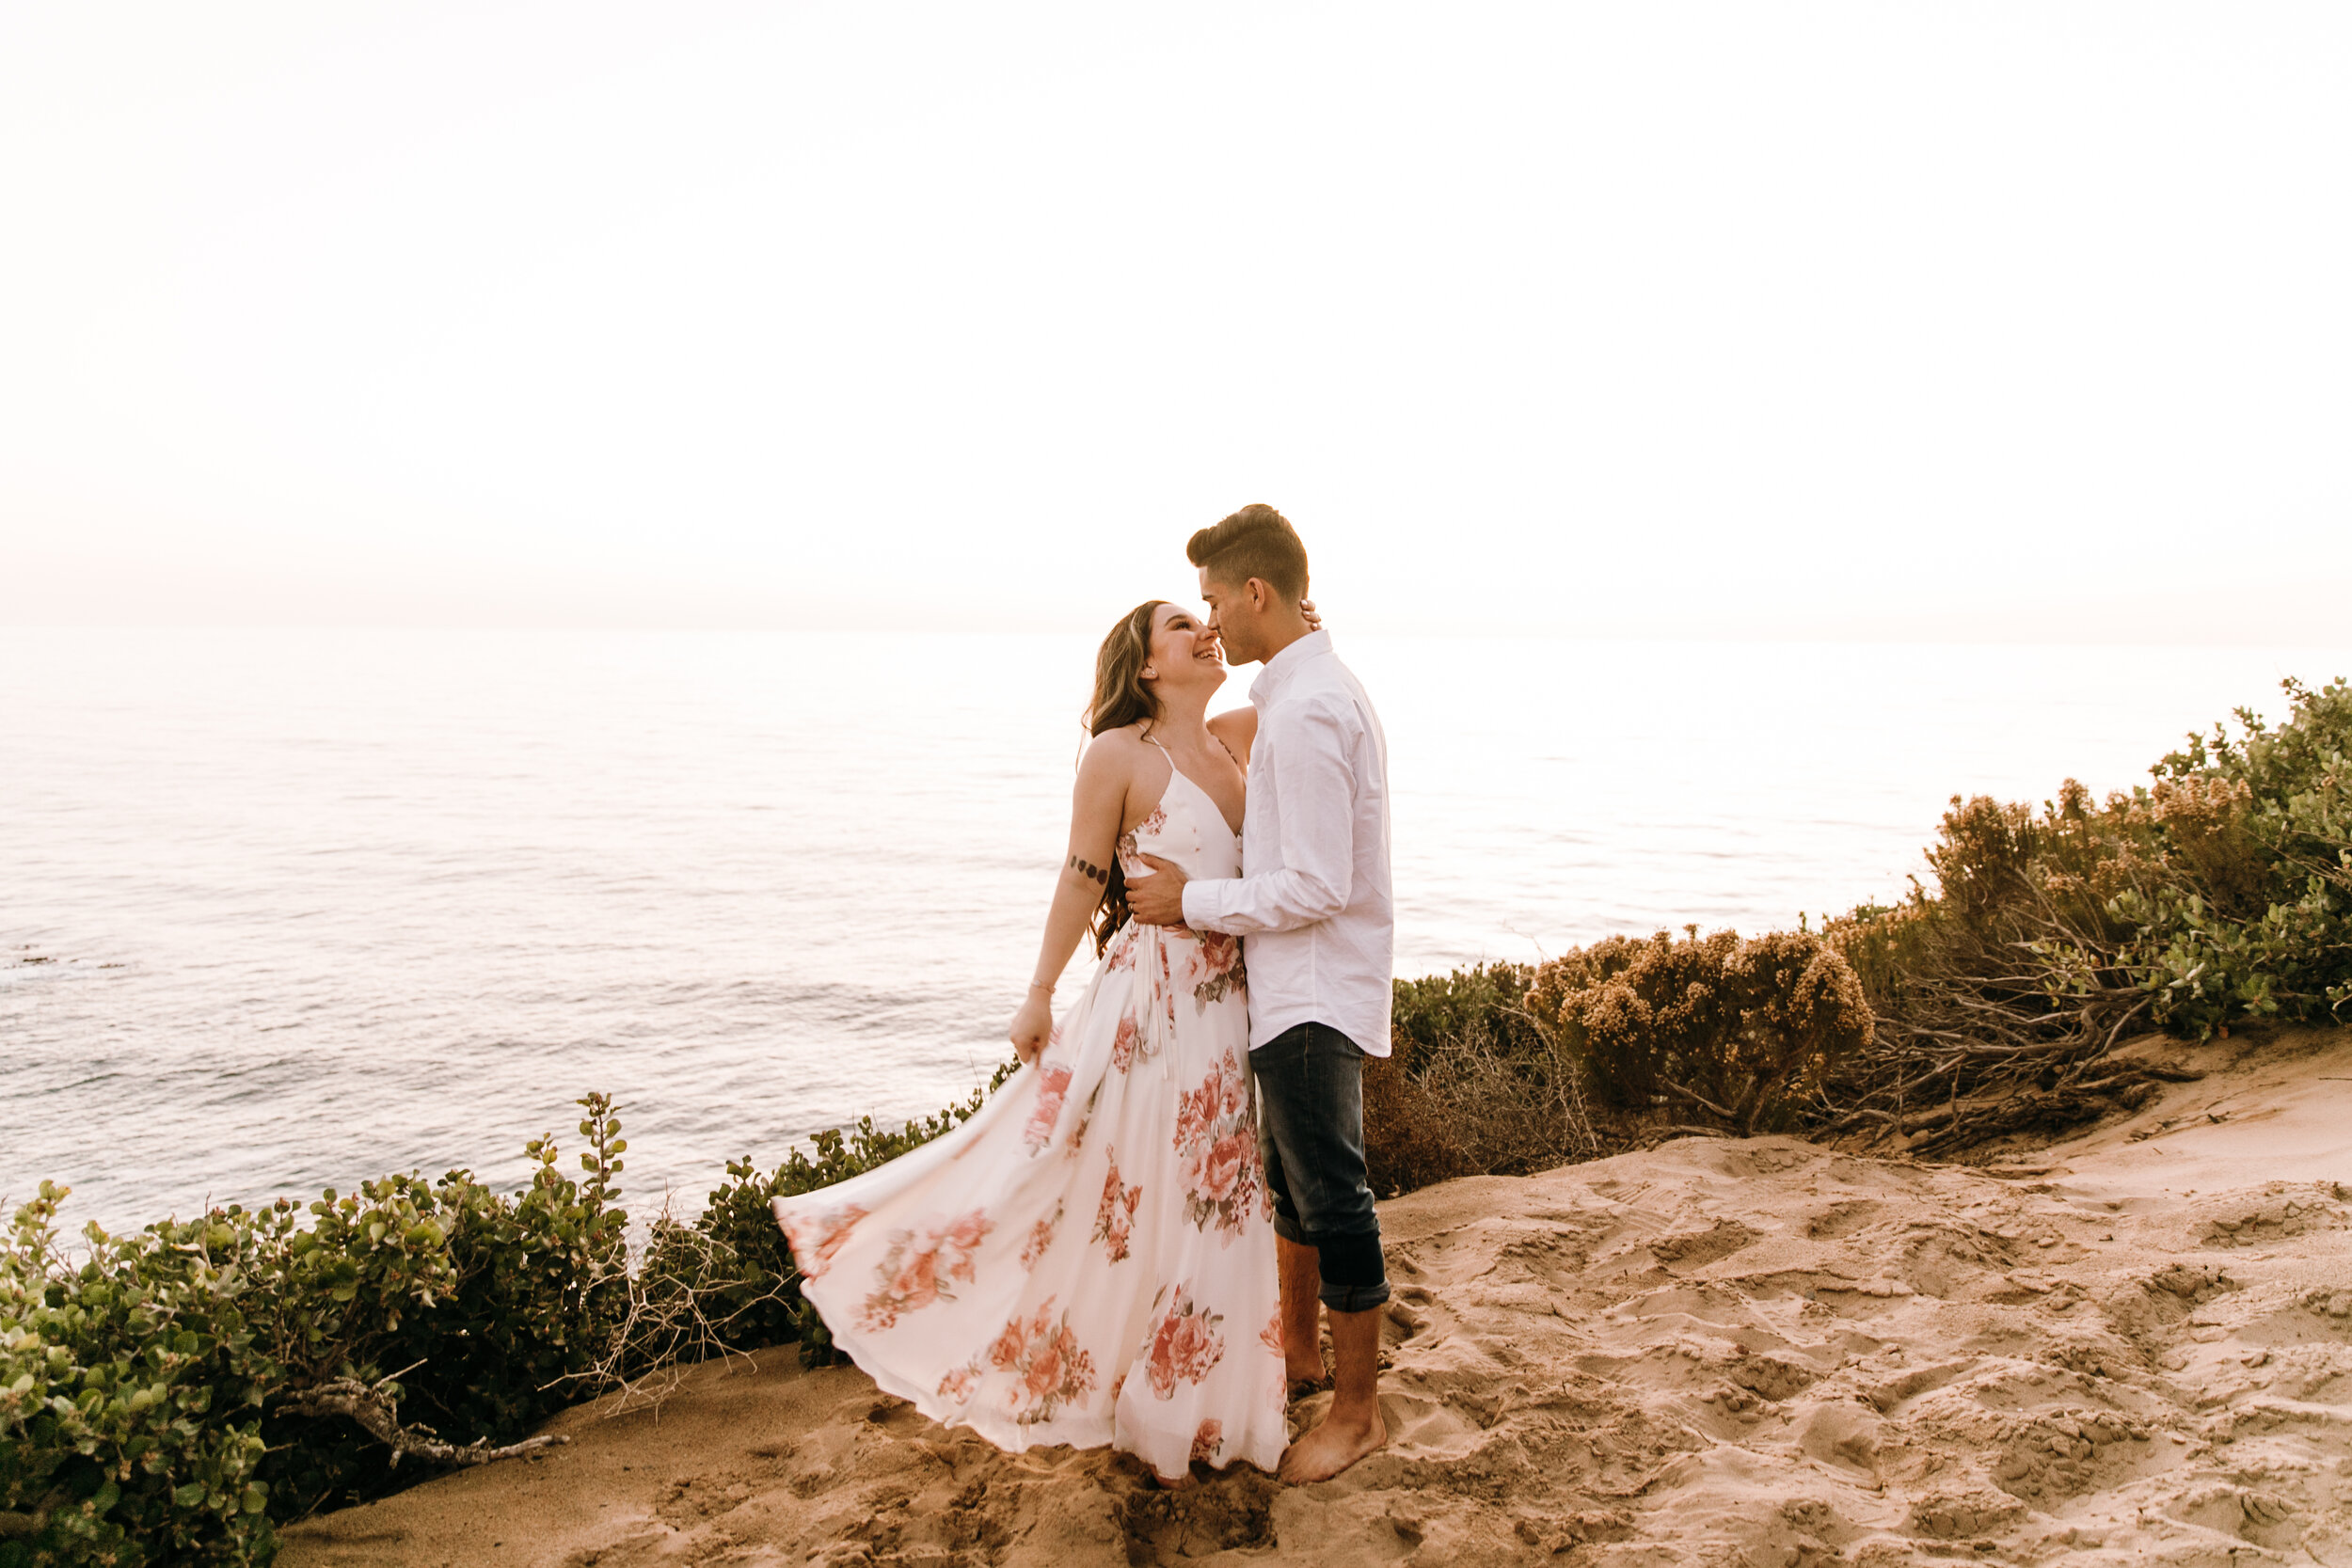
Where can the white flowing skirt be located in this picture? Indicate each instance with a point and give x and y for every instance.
(1091, 1259)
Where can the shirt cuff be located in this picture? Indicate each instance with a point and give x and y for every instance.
(1201, 903)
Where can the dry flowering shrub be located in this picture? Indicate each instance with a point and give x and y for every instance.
(1741, 1031)
(2209, 825)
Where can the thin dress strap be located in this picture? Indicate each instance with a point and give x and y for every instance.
(1174, 772)
(1212, 735)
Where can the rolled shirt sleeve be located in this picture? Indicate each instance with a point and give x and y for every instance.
(1315, 786)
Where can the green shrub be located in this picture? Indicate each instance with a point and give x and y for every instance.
(160, 1393)
(2251, 915)
(153, 1387)
(1743, 1031)
(130, 1398)
(2220, 892)
(475, 1305)
(1484, 1003)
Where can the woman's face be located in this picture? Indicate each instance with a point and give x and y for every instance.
(1185, 652)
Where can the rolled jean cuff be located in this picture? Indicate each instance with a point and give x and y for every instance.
(1354, 1298)
(1355, 1276)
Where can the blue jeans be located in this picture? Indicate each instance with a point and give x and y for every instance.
(1310, 1134)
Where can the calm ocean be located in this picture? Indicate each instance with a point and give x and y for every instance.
(280, 910)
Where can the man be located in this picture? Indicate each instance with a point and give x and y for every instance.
(1314, 902)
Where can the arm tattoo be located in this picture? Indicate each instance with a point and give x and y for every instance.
(1093, 873)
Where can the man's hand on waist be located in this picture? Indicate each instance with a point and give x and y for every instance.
(1159, 898)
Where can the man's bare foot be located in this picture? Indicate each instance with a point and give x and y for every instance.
(1332, 1447)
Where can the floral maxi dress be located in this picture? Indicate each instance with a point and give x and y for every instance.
(1091, 1259)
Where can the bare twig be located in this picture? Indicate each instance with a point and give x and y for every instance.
(682, 1296)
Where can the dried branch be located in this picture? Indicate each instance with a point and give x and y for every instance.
(13, 1526)
(376, 1414)
(685, 1292)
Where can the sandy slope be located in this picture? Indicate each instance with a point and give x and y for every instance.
(2136, 1346)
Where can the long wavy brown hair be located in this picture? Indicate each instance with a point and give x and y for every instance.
(1121, 698)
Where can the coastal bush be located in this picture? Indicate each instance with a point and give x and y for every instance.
(174, 1395)
(1484, 1004)
(165, 1396)
(1408, 1141)
(130, 1398)
(2251, 915)
(1473, 1085)
(2221, 892)
(1743, 1031)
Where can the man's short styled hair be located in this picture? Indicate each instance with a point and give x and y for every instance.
(1256, 541)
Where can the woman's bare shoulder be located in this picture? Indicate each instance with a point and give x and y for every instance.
(1114, 751)
(1237, 727)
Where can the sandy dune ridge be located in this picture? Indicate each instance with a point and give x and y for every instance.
(2134, 1346)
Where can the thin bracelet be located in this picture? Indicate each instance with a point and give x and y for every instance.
(1047, 989)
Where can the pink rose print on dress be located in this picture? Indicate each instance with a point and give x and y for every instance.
(1184, 1348)
(1127, 1043)
(1047, 1364)
(1041, 1236)
(961, 1382)
(1222, 969)
(1128, 849)
(1115, 1217)
(1221, 1169)
(1051, 1087)
(1208, 1442)
(1217, 1134)
(1271, 1335)
(815, 1240)
(915, 1273)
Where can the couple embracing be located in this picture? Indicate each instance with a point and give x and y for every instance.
(1130, 1244)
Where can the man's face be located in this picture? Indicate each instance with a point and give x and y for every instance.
(1232, 617)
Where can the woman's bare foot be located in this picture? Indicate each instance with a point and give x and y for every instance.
(1339, 1441)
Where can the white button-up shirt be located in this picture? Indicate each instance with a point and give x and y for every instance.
(1313, 898)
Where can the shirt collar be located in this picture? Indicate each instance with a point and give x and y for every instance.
(1278, 669)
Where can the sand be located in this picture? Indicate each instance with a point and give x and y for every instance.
(2133, 1346)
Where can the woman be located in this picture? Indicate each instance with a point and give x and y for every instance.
(1091, 1259)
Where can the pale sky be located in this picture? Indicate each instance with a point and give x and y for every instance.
(1890, 319)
